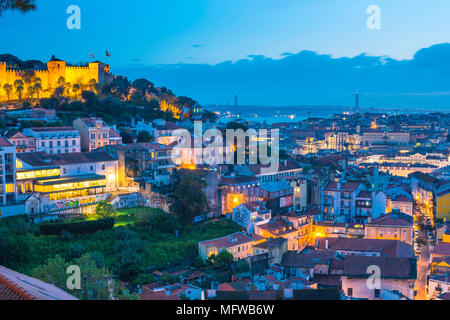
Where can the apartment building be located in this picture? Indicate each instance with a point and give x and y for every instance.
(338, 199)
(238, 244)
(8, 192)
(54, 140)
(393, 226)
(22, 142)
(95, 134)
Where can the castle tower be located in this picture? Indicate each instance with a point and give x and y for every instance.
(56, 69)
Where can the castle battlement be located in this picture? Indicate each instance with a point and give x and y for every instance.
(49, 77)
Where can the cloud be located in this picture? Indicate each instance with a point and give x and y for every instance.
(311, 78)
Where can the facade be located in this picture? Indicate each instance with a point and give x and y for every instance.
(22, 142)
(338, 199)
(400, 203)
(238, 244)
(374, 137)
(95, 134)
(250, 215)
(163, 131)
(143, 163)
(397, 275)
(66, 183)
(54, 140)
(393, 226)
(8, 191)
(280, 228)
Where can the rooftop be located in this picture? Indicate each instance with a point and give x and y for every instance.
(17, 286)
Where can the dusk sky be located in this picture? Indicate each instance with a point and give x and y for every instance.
(212, 49)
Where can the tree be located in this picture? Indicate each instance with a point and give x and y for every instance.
(144, 136)
(92, 84)
(38, 87)
(75, 89)
(104, 210)
(18, 84)
(127, 248)
(94, 280)
(8, 90)
(142, 85)
(21, 5)
(189, 199)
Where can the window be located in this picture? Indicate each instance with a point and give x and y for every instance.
(377, 293)
(93, 136)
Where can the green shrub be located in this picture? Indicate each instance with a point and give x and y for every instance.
(77, 227)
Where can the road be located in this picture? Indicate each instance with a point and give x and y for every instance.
(422, 271)
(423, 265)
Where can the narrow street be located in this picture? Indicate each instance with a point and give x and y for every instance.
(422, 271)
(422, 267)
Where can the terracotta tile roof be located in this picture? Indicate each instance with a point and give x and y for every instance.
(392, 248)
(328, 280)
(293, 259)
(5, 143)
(17, 286)
(393, 219)
(255, 206)
(228, 241)
(391, 267)
(164, 293)
(277, 227)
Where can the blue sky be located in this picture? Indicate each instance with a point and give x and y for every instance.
(164, 39)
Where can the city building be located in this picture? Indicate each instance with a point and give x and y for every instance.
(69, 183)
(54, 140)
(397, 275)
(393, 226)
(95, 134)
(22, 142)
(240, 245)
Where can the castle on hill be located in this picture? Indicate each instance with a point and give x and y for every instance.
(50, 76)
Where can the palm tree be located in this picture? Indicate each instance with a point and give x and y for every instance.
(38, 87)
(8, 89)
(67, 88)
(18, 84)
(75, 89)
(61, 81)
(30, 92)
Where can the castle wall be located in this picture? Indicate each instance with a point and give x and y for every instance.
(50, 77)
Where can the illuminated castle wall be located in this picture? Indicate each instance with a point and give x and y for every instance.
(55, 69)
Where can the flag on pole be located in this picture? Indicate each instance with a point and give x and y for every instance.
(108, 54)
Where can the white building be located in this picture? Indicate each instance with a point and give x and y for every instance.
(251, 214)
(55, 140)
